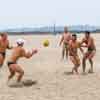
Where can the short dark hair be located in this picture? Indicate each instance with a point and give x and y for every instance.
(87, 32)
(20, 44)
(74, 35)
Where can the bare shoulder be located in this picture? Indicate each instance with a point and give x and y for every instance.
(22, 49)
(69, 34)
(91, 38)
(83, 39)
(22, 52)
(70, 42)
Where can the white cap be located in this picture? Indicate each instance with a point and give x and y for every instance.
(20, 41)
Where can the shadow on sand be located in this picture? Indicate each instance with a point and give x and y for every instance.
(68, 73)
(83, 74)
(25, 83)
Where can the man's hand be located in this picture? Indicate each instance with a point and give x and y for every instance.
(34, 51)
(10, 47)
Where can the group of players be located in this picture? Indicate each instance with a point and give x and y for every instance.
(71, 46)
(17, 52)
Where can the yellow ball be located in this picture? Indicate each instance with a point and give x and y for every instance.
(46, 43)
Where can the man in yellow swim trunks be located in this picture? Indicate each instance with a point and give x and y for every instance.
(73, 53)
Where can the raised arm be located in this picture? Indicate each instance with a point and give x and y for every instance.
(89, 43)
(82, 43)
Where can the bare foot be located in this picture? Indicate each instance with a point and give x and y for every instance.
(90, 71)
(83, 73)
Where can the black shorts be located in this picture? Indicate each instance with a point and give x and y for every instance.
(3, 54)
(10, 63)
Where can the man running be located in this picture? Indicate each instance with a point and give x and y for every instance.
(18, 52)
(4, 45)
(66, 37)
(91, 50)
(73, 53)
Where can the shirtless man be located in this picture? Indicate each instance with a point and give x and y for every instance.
(66, 37)
(88, 42)
(18, 52)
(4, 45)
(73, 53)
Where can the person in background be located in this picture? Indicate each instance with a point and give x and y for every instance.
(66, 37)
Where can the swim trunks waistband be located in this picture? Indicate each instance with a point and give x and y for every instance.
(90, 49)
(3, 54)
(10, 63)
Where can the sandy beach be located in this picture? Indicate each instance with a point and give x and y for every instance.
(51, 73)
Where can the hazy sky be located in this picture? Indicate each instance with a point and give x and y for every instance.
(17, 13)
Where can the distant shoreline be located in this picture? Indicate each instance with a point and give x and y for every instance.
(42, 33)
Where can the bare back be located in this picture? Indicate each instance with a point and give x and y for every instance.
(17, 53)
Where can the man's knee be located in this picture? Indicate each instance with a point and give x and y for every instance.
(84, 59)
(63, 50)
(22, 72)
(11, 75)
(78, 64)
(90, 60)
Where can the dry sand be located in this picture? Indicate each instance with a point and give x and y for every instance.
(53, 82)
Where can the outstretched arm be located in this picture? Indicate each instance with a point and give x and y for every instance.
(81, 50)
(89, 43)
(82, 43)
(29, 54)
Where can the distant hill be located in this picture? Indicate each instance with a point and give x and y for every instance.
(52, 29)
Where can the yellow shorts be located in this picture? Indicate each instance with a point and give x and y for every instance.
(65, 45)
(77, 60)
